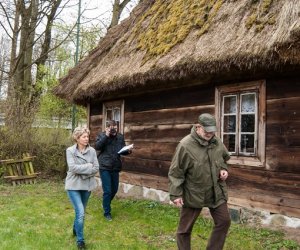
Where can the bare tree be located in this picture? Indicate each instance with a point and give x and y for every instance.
(29, 25)
(4, 48)
(118, 7)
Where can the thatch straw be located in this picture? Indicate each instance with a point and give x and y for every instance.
(242, 35)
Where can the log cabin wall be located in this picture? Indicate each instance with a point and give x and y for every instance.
(155, 123)
(275, 187)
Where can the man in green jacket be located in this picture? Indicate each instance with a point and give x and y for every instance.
(197, 179)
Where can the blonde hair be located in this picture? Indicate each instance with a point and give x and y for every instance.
(79, 131)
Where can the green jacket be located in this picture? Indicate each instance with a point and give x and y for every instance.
(194, 172)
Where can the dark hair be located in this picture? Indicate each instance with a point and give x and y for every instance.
(111, 123)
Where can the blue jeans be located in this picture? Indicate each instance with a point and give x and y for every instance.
(79, 200)
(110, 185)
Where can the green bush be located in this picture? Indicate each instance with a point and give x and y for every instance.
(47, 144)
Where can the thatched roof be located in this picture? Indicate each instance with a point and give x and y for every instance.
(170, 40)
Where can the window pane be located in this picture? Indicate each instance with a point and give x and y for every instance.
(247, 143)
(109, 114)
(248, 103)
(229, 123)
(229, 104)
(229, 142)
(117, 114)
(248, 123)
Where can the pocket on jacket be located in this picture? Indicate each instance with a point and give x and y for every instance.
(105, 160)
(194, 197)
(223, 187)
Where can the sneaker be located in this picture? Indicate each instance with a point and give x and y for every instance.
(108, 217)
(81, 245)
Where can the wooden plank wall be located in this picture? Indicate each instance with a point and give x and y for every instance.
(95, 121)
(275, 188)
(155, 123)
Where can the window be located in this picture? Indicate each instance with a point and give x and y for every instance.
(114, 111)
(240, 109)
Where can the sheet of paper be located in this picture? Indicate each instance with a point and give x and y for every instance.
(126, 148)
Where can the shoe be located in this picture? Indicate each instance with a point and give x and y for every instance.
(108, 217)
(81, 245)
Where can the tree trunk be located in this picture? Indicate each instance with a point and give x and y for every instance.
(117, 10)
(23, 92)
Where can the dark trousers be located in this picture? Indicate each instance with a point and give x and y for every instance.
(188, 217)
(110, 185)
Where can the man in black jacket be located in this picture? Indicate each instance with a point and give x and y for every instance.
(109, 143)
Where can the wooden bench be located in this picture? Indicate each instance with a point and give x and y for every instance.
(19, 171)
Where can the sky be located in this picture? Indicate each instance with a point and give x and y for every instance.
(97, 11)
(94, 13)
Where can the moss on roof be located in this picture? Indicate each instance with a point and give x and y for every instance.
(259, 15)
(168, 23)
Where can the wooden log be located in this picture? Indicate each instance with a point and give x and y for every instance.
(96, 120)
(277, 183)
(20, 171)
(282, 88)
(10, 161)
(265, 196)
(21, 177)
(283, 159)
(153, 150)
(187, 115)
(9, 169)
(289, 105)
(264, 200)
(243, 202)
(96, 108)
(146, 166)
(158, 133)
(283, 134)
(171, 98)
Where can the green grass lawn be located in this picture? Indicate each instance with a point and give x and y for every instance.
(40, 217)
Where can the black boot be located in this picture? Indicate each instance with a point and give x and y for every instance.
(81, 245)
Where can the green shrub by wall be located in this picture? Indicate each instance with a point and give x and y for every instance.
(47, 144)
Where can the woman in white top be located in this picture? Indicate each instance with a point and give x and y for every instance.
(82, 167)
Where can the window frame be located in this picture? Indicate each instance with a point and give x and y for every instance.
(257, 160)
(118, 103)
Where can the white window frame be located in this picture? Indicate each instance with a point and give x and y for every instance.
(238, 114)
(113, 104)
(259, 87)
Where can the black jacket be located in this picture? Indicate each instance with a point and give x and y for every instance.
(109, 159)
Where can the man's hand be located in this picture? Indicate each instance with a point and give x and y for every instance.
(223, 175)
(107, 131)
(178, 202)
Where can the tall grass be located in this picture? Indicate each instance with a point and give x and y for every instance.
(40, 217)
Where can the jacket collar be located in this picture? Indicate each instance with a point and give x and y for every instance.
(212, 142)
(76, 151)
